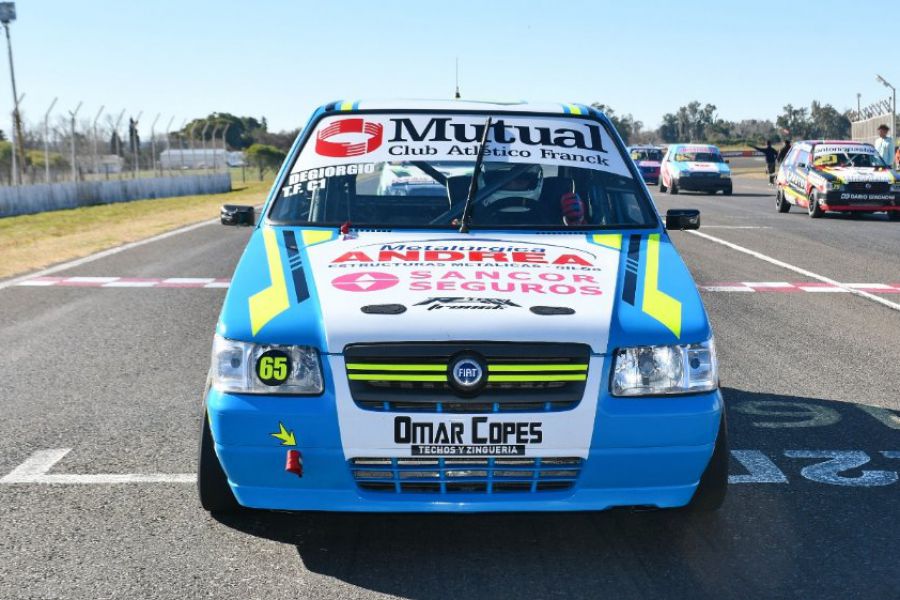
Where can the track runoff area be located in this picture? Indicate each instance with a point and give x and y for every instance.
(104, 360)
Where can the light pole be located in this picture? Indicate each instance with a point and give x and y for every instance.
(7, 16)
(858, 107)
(47, 141)
(893, 111)
(153, 144)
(213, 143)
(135, 143)
(72, 133)
(96, 162)
(117, 141)
(168, 145)
(203, 141)
(225, 148)
(191, 142)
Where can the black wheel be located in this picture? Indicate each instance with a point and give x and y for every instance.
(673, 188)
(212, 483)
(727, 191)
(893, 215)
(713, 487)
(662, 186)
(781, 203)
(815, 211)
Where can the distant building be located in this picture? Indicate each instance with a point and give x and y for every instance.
(198, 158)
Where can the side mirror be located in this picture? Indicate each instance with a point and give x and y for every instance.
(682, 218)
(236, 214)
(727, 162)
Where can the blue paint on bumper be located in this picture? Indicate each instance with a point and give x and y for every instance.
(645, 451)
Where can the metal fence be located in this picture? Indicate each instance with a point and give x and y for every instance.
(29, 199)
(66, 146)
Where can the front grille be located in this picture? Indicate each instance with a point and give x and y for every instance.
(465, 475)
(414, 377)
(875, 187)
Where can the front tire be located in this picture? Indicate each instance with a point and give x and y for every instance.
(212, 483)
(662, 186)
(893, 215)
(727, 191)
(713, 486)
(673, 188)
(781, 203)
(815, 211)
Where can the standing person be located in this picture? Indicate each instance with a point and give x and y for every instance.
(784, 151)
(884, 145)
(770, 154)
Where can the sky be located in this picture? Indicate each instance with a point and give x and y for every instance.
(281, 60)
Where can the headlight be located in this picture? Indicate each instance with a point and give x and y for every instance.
(725, 175)
(263, 369)
(684, 174)
(654, 370)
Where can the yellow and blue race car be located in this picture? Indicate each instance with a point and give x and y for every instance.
(521, 335)
(837, 175)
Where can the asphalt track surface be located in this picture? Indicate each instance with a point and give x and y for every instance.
(811, 383)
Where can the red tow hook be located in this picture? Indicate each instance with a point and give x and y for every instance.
(294, 463)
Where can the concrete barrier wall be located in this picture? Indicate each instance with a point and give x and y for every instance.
(29, 199)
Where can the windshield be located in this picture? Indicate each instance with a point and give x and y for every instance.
(646, 154)
(394, 170)
(698, 157)
(849, 159)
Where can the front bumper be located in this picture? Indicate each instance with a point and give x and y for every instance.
(840, 200)
(651, 177)
(644, 452)
(704, 184)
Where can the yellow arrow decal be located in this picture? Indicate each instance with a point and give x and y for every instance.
(272, 301)
(657, 304)
(286, 437)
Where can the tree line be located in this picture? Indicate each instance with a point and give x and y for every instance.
(698, 122)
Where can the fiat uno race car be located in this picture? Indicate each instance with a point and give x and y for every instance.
(842, 176)
(527, 339)
(694, 167)
(647, 159)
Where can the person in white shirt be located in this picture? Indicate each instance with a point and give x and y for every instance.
(884, 145)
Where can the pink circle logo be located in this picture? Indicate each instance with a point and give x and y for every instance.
(367, 281)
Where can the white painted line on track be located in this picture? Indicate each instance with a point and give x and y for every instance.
(736, 227)
(796, 269)
(36, 466)
(104, 253)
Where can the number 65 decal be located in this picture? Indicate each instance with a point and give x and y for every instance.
(273, 367)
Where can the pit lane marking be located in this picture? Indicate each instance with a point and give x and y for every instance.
(763, 257)
(760, 470)
(35, 470)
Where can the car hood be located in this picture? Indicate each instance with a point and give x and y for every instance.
(855, 174)
(317, 287)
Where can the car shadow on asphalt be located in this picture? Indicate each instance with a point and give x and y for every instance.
(795, 538)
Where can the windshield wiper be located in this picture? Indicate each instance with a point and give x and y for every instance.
(473, 186)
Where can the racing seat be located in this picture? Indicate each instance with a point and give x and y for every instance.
(550, 212)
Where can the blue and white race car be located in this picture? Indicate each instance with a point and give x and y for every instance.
(694, 167)
(528, 340)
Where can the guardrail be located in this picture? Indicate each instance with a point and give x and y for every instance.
(30, 199)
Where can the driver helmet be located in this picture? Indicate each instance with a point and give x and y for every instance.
(527, 184)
